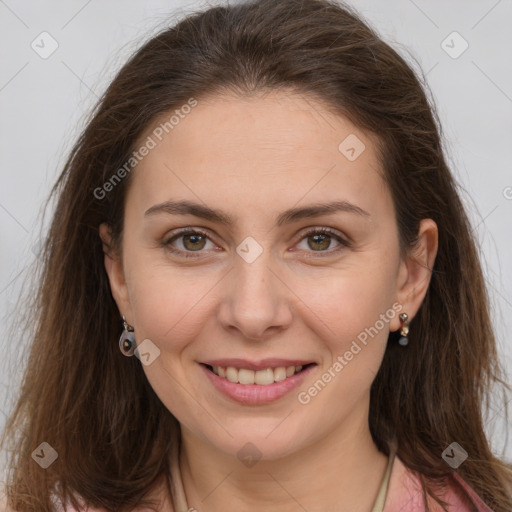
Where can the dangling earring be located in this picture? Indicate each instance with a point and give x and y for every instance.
(404, 331)
(127, 340)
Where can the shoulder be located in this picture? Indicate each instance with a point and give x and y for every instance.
(167, 506)
(159, 495)
(164, 502)
(405, 493)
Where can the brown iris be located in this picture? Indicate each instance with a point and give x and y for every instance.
(321, 240)
(197, 241)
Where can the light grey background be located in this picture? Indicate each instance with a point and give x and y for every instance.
(43, 103)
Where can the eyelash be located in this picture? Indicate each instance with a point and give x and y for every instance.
(190, 254)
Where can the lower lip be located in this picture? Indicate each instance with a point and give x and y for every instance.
(254, 394)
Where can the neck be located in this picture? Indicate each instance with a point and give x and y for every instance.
(342, 471)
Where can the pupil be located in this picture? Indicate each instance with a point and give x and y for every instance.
(193, 239)
(319, 239)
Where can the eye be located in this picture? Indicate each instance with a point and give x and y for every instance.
(321, 239)
(188, 241)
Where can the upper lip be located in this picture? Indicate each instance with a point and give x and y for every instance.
(256, 365)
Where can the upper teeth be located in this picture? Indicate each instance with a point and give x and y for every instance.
(261, 377)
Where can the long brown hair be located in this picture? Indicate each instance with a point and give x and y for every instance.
(97, 409)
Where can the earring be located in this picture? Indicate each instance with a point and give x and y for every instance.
(127, 340)
(404, 331)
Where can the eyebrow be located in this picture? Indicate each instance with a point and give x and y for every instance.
(287, 217)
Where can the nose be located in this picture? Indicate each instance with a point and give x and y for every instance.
(256, 302)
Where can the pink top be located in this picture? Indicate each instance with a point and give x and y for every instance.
(404, 493)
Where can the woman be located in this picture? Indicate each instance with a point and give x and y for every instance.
(262, 199)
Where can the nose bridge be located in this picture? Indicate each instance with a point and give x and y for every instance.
(253, 279)
(256, 299)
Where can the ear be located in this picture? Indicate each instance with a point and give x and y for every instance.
(115, 272)
(415, 271)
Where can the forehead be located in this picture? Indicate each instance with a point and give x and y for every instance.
(276, 146)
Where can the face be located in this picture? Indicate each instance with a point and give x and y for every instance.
(232, 258)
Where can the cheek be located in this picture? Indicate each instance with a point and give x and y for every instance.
(347, 301)
(167, 307)
(352, 315)
(165, 299)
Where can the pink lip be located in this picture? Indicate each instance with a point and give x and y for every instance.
(256, 365)
(254, 394)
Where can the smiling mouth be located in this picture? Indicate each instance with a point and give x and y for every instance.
(263, 377)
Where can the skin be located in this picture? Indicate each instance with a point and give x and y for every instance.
(253, 158)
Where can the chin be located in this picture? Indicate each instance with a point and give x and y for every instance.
(265, 443)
